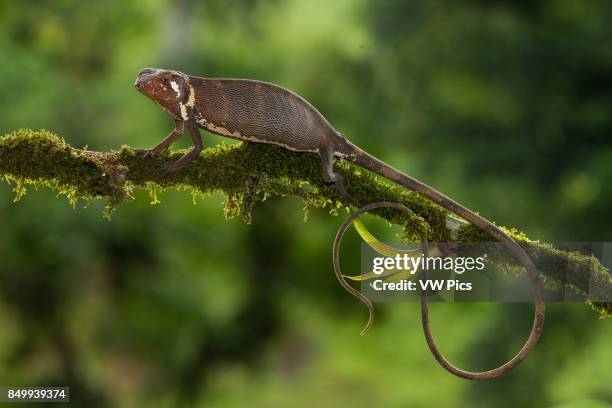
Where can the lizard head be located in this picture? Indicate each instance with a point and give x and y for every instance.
(167, 88)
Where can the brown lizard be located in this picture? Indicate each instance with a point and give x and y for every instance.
(261, 112)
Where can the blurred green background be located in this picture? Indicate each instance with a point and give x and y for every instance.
(505, 106)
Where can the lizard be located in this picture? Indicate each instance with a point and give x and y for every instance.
(262, 112)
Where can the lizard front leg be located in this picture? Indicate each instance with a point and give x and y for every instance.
(194, 131)
(167, 141)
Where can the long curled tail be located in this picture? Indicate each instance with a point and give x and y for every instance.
(363, 159)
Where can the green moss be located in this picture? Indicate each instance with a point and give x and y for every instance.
(43, 159)
(40, 158)
(584, 274)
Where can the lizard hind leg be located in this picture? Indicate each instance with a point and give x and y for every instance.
(330, 176)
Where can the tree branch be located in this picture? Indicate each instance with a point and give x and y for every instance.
(41, 158)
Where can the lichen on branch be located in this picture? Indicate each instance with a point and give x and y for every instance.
(250, 172)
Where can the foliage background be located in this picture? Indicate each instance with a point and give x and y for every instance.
(505, 106)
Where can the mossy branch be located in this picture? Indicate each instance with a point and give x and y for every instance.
(42, 158)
